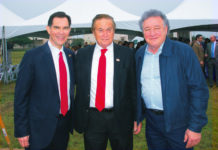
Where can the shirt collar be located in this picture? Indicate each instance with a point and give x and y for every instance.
(198, 42)
(158, 52)
(109, 47)
(55, 49)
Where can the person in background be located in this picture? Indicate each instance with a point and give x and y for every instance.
(212, 57)
(198, 49)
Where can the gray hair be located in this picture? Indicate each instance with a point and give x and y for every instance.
(154, 13)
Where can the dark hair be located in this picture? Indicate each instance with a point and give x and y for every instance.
(59, 14)
(197, 36)
(101, 16)
(154, 13)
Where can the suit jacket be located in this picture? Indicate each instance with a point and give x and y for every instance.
(124, 87)
(216, 52)
(37, 101)
(184, 89)
(208, 50)
(199, 51)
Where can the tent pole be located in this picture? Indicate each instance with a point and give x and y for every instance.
(4, 54)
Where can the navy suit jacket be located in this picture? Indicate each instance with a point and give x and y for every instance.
(37, 101)
(184, 89)
(124, 87)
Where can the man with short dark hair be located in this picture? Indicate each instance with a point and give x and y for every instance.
(105, 90)
(44, 91)
(198, 49)
(172, 93)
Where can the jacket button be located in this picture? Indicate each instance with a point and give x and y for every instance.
(87, 110)
(88, 95)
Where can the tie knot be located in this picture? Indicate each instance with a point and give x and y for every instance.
(60, 53)
(103, 51)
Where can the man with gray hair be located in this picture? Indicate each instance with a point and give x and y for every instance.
(172, 93)
(212, 54)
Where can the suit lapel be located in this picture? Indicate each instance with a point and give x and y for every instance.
(89, 52)
(140, 62)
(69, 58)
(117, 69)
(209, 50)
(51, 68)
(216, 50)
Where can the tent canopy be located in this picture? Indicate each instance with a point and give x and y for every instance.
(30, 17)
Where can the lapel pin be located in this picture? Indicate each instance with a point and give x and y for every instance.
(69, 55)
(117, 59)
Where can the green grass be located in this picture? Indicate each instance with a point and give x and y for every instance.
(16, 56)
(209, 134)
(214, 107)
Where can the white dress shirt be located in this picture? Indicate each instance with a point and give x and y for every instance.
(55, 55)
(109, 90)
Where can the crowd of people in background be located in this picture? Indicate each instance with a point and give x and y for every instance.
(207, 52)
(199, 44)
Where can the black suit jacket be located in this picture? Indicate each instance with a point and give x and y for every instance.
(37, 101)
(124, 87)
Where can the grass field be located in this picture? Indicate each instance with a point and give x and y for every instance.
(209, 134)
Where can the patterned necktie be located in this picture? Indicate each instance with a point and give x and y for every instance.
(63, 85)
(101, 82)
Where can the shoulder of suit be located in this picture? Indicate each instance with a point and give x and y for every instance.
(68, 50)
(85, 49)
(37, 49)
(123, 48)
(141, 50)
(180, 49)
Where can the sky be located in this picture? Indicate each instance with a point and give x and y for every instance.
(136, 7)
(36, 7)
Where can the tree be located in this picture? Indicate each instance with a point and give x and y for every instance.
(20, 40)
(77, 42)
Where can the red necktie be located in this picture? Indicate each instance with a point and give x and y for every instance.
(63, 85)
(101, 82)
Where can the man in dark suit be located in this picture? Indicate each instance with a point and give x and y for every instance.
(171, 90)
(44, 91)
(212, 58)
(105, 90)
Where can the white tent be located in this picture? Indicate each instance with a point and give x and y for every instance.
(81, 13)
(19, 17)
(181, 13)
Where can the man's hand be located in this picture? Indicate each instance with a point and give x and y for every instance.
(137, 129)
(24, 141)
(201, 63)
(192, 138)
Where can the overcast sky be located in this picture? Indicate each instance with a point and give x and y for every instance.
(27, 9)
(136, 7)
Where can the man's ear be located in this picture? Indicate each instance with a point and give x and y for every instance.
(48, 29)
